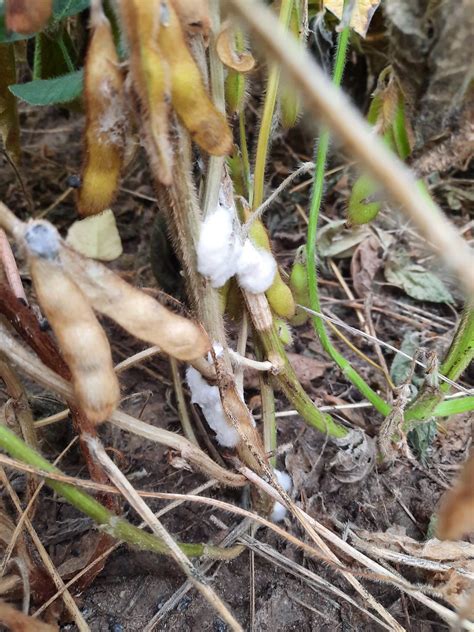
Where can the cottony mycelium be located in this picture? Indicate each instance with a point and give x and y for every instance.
(105, 119)
(222, 253)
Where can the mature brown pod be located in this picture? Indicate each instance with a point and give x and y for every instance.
(27, 16)
(137, 312)
(105, 122)
(82, 340)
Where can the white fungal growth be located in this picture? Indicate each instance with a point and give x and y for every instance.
(42, 240)
(279, 511)
(256, 268)
(221, 255)
(219, 246)
(208, 398)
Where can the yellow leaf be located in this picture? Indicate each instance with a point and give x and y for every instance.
(362, 13)
(96, 237)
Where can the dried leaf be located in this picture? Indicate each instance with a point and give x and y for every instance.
(96, 237)
(456, 514)
(9, 123)
(362, 13)
(365, 264)
(336, 240)
(228, 54)
(307, 368)
(415, 280)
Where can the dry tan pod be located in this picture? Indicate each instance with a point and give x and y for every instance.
(137, 312)
(27, 16)
(456, 514)
(105, 123)
(208, 127)
(228, 53)
(81, 339)
(150, 78)
(194, 15)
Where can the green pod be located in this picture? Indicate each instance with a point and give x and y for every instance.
(299, 287)
(235, 92)
(278, 294)
(361, 209)
(283, 331)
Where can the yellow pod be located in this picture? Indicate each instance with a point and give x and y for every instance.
(278, 294)
(105, 122)
(151, 81)
(81, 339)
(208, 127)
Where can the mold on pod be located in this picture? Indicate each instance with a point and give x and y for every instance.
(105, 120)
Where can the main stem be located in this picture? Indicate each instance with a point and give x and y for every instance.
(316, 199)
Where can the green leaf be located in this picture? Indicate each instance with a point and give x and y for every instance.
(401, 365)
(65, 8)
(415, 280)
(50, 91)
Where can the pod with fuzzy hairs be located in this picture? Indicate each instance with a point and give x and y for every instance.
(207, 126)
(82, 340)
(149, 74)
(137, 312)
(299, 287)
(105, 121)
(26, 16)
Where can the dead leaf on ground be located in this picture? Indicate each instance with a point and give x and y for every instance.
(362, 13)
(365, 264)
(307, 368)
